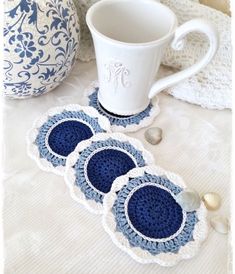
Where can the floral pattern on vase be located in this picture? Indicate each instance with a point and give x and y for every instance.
(41, 40)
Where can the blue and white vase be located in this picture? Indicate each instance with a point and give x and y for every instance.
(41, 40)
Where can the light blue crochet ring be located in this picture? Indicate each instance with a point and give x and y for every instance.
(56, 134)
(152, 214)
(143, 218)
(97, 162)
(122, 123)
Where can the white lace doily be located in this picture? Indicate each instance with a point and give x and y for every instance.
(38, 146)
(212, 86)
(122, 124)
(142, 255)
(135, 150)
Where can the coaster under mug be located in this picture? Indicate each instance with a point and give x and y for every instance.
(57, 132)
(119, 123)
(95, 163)
(143, 218)
(129, 50)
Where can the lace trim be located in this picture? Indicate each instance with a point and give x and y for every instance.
(212, 86)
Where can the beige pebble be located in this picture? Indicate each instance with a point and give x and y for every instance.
(211, 200)
(220, 224)
(153, 135)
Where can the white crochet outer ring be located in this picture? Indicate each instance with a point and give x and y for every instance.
(140, 255)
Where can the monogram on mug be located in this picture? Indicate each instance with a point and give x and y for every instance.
(129, 49)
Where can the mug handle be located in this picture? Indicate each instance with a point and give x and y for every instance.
(199, 25)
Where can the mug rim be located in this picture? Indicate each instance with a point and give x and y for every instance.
(155, 42)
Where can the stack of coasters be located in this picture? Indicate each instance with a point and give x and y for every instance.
(122, 123)
(112, 174)
(143, 218)
(56, 134)
(97, 162)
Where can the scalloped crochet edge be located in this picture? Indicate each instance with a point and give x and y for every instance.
(31, 136)
(147, 121)
(72, 158)
(143, 256)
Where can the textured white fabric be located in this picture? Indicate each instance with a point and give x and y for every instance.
(211, 87)
(47, 232)
(86, 51)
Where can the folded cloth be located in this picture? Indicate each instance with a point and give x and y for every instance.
(212, 86)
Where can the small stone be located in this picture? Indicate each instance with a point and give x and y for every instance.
(153, 135)
(188, 199)
(211, 200)
(220, 224)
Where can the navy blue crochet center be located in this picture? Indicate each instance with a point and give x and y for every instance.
(64, 138)
(154, 212)
(105, 166)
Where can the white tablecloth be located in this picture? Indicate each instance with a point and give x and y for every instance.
(46, 232)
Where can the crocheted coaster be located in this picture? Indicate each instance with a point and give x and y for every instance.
(97, 162)
(58, 131)
(143, 218)
(122, 123)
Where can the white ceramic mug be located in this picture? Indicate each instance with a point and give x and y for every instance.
(130, 37)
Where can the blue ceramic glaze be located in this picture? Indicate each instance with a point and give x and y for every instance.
(40, 44)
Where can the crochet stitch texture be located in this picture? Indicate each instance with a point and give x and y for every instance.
(116, 119)
(101, 163)
(119, 123)
(149, 217)
(60, 134)
(66, 135)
